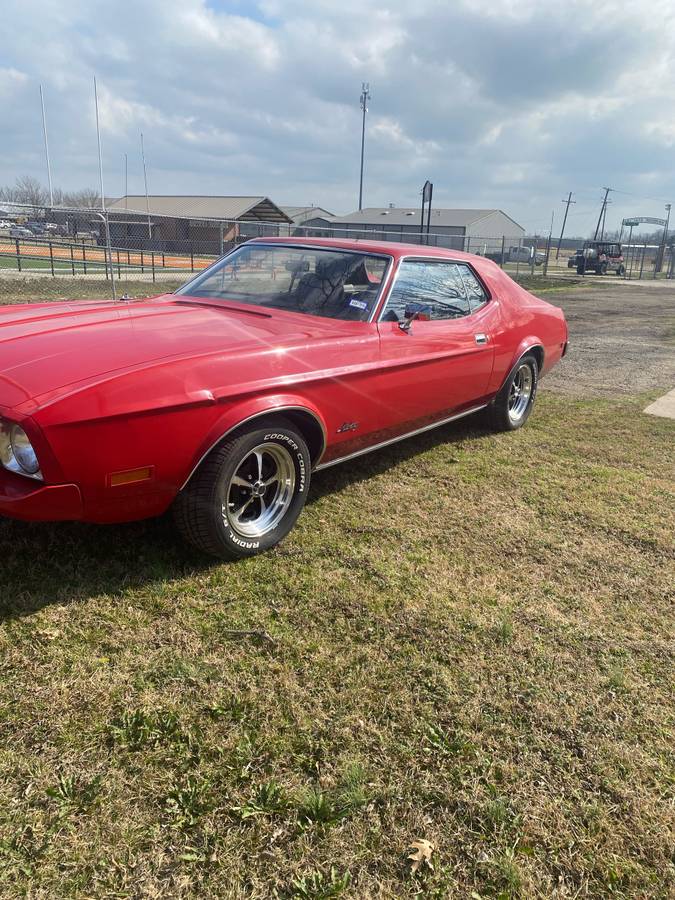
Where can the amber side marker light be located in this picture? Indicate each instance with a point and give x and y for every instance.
(131, 476)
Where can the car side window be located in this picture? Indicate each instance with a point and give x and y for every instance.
(436, 285)
(474, 289)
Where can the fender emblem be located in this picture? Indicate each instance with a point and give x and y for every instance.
(347, 426)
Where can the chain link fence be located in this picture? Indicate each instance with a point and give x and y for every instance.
(69, 253)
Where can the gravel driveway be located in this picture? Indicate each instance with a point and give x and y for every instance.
(622, 339)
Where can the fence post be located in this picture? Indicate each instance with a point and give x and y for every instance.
(192, 260)
(84, 256)
(119, 270)
(51, 257)
(72, 259)
(153, 266)
(142, 262)
(642, 260)
(503, 248)
(18, 255)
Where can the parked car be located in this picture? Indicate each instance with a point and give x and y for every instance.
(18, 231)
(5, 224)
(281, 359)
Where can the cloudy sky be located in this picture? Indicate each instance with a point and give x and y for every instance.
(506, 103)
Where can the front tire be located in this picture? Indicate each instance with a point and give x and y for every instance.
(247, 494)
(512, 406)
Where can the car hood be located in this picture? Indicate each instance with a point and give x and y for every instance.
(46, 348)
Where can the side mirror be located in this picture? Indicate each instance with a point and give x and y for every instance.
(414, 311)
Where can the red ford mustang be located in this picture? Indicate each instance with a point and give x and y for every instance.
(282, 358)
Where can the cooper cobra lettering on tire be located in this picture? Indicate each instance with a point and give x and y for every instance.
(247, 494)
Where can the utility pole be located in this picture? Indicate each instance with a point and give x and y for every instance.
(562, 230)
(126, 181)
(44, 132)
(548, 243)
(604, 220)
(365, 97)
(603, 209)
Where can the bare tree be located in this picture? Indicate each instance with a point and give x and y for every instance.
(87, 198)
(30, 191)
(8, 194)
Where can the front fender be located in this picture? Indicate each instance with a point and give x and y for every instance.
(241, 412)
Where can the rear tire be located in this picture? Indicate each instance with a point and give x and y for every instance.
(512, 406)
(247, 494)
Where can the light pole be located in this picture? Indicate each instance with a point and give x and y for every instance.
(365, 97)
(145, 180)
(103, 213)
(44, 132)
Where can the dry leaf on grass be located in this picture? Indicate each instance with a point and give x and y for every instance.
(422, 851)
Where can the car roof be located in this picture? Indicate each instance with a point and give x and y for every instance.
(396, 249)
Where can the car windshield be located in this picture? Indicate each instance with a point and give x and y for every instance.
(337, 284)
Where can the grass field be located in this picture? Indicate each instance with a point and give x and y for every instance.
(17, 290)
(468, 639)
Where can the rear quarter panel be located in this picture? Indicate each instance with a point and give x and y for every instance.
(525, 321)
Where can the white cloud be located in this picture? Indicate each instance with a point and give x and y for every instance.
(506, 103)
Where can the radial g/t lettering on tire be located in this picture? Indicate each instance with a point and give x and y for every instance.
(247, 494)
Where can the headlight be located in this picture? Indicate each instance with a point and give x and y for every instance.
(16, 451)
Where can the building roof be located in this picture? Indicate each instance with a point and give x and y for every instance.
(408, 215)
(301, 214)
(203, 207)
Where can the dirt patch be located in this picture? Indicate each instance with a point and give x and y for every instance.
(620, 340)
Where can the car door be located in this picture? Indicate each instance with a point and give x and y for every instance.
(442, 363)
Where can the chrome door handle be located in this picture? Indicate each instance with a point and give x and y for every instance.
(481, 338)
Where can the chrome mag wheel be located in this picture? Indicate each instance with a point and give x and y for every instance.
(520, 392)
(260, 491)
